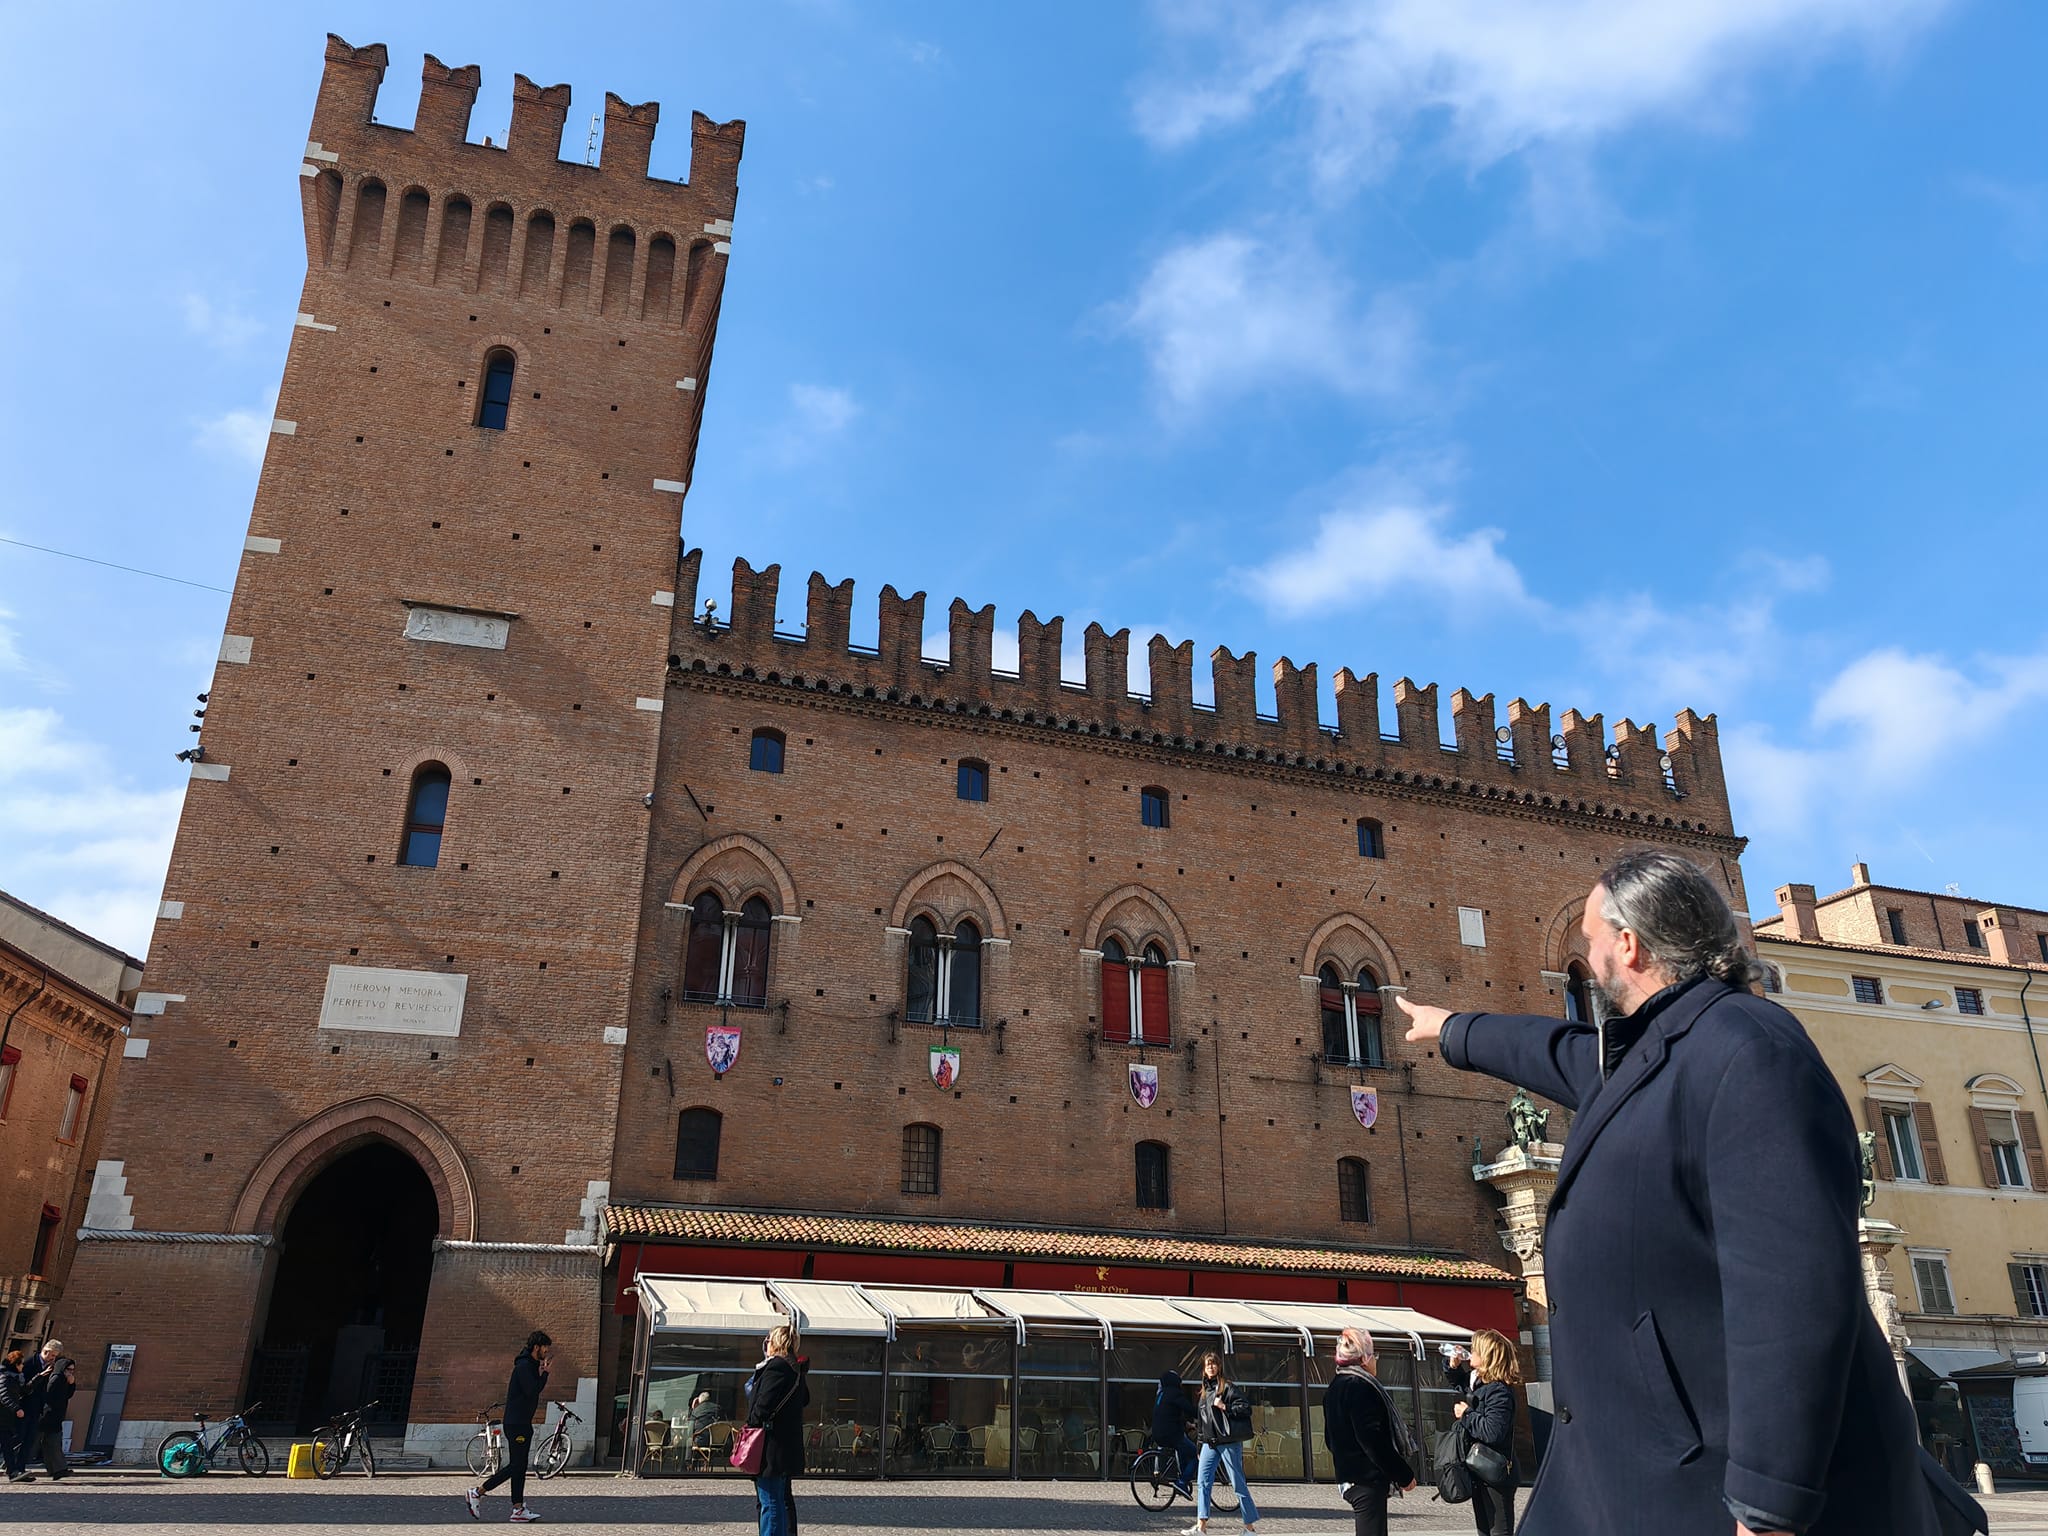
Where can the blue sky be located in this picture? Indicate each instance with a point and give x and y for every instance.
(1624, 356)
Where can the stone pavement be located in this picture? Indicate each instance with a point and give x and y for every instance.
(107, 1504)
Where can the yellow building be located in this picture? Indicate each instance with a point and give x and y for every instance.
(1930, 1010)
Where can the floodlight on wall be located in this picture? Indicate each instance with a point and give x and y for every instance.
(1933, 1003)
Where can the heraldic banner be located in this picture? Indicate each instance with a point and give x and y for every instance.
(1365, 1103)
(1144, 1084)
(945, 1066)
(722, 1047)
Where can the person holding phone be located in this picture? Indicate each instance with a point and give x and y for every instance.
(1224, 1416)
(522, 1402)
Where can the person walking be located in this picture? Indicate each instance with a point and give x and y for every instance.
(1224, 1417)
(14, 1421)
(776, 1398)
(1171, 1415)
(1368, 1444)
(60, 1381)
(522, 1402)
(1714, 1358)
(1487, 1374)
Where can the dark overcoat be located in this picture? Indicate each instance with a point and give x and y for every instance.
(1709, 1333)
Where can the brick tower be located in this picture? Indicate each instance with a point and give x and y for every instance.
(369, 1113)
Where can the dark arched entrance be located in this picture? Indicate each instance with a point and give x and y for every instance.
(350, 1293)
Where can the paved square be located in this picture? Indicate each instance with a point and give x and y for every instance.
(103, 1502)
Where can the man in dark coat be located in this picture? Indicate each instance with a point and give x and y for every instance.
(1714, 1360)
(522, 1402)
(1172, 1413)
(60, 1382)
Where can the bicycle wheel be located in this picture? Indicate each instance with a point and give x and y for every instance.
(554, 1455)
(369, 1458)
(329, 1446)
(181, 1455)
(255, 1456)
(1221, 1495)
(1152, 1479)
(482, 1456)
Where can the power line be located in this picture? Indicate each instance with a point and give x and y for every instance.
(110, 565)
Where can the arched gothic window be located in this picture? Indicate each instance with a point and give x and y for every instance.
(944, 983)
(1136, 1007)
(426, 816)
(1578, 993)
(1351, 1017)
(494, 402)
(725, 959)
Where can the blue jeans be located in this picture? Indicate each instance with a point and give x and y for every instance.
(1232, 1457)
(778, 1508)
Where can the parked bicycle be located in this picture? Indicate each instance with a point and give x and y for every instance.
(549, 1458)
(1156, 1482)
(187, 1453)
(333, 1443)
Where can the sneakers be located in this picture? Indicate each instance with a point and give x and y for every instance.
(1194, 1530)
(474, 1499)
(521, 1515)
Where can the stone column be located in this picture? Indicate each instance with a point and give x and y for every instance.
(1526, 1176)
(1877, 1239)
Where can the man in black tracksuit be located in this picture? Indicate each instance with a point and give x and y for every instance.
(522, 1402)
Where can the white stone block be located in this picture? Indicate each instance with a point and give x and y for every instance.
(306, 322)
(151, 1003)
(686, 383)
(722, 247)
(446, 626)
(212, 773)
(615, 1034)
(315, 151)
(673, 487)
(385, 1001)
(718, 227)
(284, 428)
(135, 1047)
(255, 545)
(170, 911)
(1472, 927)
(236, 648)
(664, 599)
(651, 704)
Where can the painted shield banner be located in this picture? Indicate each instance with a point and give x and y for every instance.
(1144, 1084)
(1365, 1103)
(722, 1047)
(945, 1066)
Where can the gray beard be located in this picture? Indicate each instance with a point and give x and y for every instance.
(1604, 1004)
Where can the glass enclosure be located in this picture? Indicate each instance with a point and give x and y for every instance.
(949, 1402)
(696, 1398)
(1059, 1411)
(842, 1421)
(1134, 1370)
(1270, 1373)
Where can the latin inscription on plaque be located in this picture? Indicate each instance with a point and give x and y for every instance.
(390, 1002)
(448, 627)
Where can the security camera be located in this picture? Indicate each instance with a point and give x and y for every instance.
(648, 799)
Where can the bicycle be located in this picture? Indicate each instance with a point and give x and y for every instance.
(550, 1456)
(189, 1454)
(1156, 1483)
(333, 1442)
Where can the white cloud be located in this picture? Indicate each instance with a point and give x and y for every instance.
(11, 659)
(2021, 206)
(1387, 542)
(221, 326)
(821, 409)
(1229, 314)
(239, 434)
(1887, 723)
(1497, 78)
(76, 837)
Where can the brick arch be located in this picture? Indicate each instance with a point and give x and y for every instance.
(1562, 942)
(1168, 924)
(777, 875)
(293, 1162)
(1351, 939)
(985, 898)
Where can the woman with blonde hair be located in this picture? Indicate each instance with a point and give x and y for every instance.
(1488, 1374)
(1223, 1424)
(776, 1397)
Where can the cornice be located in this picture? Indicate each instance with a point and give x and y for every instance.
(1238, 762)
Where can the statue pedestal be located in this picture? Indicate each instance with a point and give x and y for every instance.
(1526, 1176)
(1877, 1239)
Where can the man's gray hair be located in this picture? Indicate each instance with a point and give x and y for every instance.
(1678, 915)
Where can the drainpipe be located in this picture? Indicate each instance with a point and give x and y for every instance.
(43, 984)
(2027, 1019)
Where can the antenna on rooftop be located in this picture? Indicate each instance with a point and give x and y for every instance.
(590, 144)
(1953, 888)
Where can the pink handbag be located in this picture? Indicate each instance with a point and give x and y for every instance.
(748, 1446)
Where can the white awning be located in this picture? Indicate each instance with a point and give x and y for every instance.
(1417, 1326)
(1946, 1362)
(1231, 1318)
(917, 1306)
(830, 1311)
(676, 1305)
(1054, 1309)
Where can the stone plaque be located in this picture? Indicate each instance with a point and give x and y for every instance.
(391, 1002)
(449, 627)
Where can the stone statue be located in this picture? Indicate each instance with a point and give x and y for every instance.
(1527, 1125)
(1867, 1141)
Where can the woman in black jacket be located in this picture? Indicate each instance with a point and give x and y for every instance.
(776, 1398)
(1368, 1444)
(1488, 1375)
(15, 1430)
(1223, 1420)
(62, 1378)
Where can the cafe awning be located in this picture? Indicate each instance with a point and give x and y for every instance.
(931, 1306)
(829, 1310)
(677, 1305)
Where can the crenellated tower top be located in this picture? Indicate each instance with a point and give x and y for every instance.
(1675, 782)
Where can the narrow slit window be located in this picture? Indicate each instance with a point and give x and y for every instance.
(46, 1240)
(1153, 1188)
(1354, 1195)
(426, 818)
(495, 404)
(1372, 842)
(74, 1109)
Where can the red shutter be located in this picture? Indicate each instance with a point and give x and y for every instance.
(1116, 1002)
(1156, 1022)
(750, 965)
